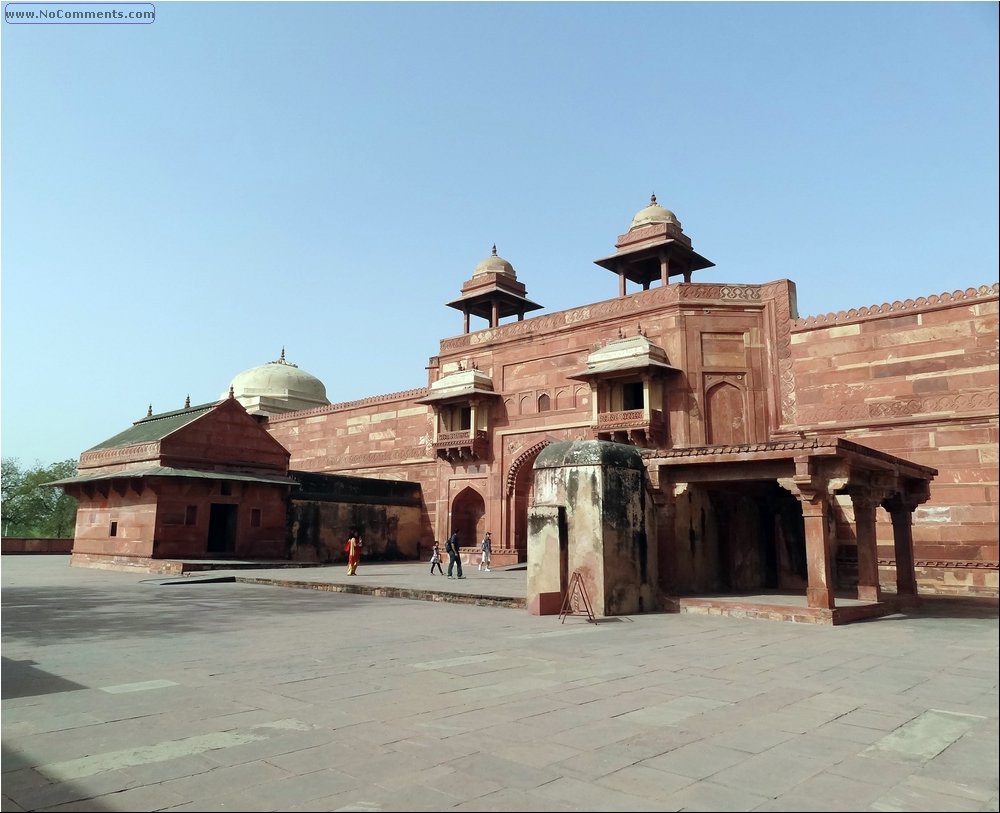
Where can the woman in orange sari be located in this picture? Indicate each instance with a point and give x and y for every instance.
(353, 548)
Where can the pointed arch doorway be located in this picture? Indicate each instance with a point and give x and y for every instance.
(468, 517)
(520, 487)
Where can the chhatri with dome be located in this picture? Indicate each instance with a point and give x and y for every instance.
(681, 439)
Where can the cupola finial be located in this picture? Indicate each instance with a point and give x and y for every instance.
(149, 412)
(652, 199)
(187, 402)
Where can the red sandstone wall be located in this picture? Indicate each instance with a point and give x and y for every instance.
(178, 540)
(714, 333)
(387, 437)
(136, 518)
(226, 436)
(14, 545)
(918, 380)
(915, 379)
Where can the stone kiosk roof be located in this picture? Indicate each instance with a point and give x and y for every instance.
(816, 464)
(784, 449)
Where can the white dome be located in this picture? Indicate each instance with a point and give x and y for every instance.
(278, 386)
(654, 213)
(494, 265)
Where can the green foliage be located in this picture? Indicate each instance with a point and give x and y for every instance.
(34, 510)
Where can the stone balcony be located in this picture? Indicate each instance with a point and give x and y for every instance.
(467, 444)
(633, 426)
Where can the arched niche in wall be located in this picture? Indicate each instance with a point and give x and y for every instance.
(725, 407)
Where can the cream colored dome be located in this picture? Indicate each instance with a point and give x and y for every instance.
(494, 265)
(278, 386)
(654, 213)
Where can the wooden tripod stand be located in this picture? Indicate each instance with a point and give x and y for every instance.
(576, 601)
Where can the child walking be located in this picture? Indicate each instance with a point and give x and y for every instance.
(436, 558)
(486, 546)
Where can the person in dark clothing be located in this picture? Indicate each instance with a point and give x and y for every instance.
(451, 548)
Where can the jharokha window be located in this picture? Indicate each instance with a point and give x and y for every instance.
(456, 418)
(632, 396)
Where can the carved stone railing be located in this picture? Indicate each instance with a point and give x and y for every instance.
(621, 420)
(464, 445)
(634, 424)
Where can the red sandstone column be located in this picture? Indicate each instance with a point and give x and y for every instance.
(664, 268)
(621, 283)
(666, 554)
(902, 537)
(819, 559)
(864, 523)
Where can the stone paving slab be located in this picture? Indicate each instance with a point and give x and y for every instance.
(122, 692)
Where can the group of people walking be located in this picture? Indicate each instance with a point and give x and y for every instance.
(355, 545)
(455, 561)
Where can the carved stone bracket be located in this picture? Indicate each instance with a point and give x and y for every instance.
(813, 481)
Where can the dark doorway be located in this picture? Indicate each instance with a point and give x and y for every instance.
(760, 537)
(222, 528)
(468, 513)
(563, 551)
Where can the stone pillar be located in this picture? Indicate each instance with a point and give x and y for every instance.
(665, 503)
(494, 314)
(819, 552)
(664, 268)
(901, 512)
(864, 528)
(621, 283)
(811, 486)
(465, 315)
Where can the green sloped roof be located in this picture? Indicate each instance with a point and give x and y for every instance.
(154, 427)
(168, 471)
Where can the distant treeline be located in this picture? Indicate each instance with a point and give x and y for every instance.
(32, 510)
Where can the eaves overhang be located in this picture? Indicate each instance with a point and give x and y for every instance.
(168, 471)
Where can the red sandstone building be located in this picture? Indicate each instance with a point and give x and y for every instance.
(856, 449)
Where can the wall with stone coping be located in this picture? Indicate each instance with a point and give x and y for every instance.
(15, 545)
(917, 379)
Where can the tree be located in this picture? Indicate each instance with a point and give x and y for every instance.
(29, 508)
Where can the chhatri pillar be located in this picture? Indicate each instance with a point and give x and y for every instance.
(493, 293)
(653, 249)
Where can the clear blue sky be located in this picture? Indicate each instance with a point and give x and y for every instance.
(183, 199)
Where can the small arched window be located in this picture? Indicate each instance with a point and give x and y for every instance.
(544, 405)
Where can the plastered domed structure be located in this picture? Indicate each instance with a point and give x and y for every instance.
(278, 387)
(654, 213)
(494, 265)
